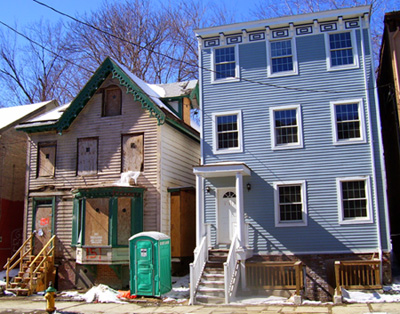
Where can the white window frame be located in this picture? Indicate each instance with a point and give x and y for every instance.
(348, 221)
(363, 136)
(295, 70)
(238, 149)
(214, 79)
(299, 143)
(328, 52)
(296, 223)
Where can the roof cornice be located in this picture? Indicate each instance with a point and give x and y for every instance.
(322, 16)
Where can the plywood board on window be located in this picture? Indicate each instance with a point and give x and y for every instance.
(87, 156)
(124, 220)
(97, 222)
(46, 160)
(112, 102)
(132, 152)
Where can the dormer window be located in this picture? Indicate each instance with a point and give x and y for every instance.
(112, 101)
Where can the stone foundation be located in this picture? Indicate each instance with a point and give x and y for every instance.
(319, 280)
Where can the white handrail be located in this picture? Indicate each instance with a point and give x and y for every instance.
(197, 267)
(231, 271)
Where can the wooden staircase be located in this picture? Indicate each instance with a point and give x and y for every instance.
(35, 271)
(211, 288)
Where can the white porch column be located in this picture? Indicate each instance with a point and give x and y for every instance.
(199, 209)
(240, 209)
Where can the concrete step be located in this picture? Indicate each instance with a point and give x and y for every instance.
(215, 265)
(209, 291)
(213, 276)
(206, 299)
(211, 284)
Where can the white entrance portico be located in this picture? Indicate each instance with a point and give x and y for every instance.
(230, 202)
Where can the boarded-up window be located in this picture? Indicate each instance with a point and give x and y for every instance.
(96, 221)
(132, 152)
(46, 159)
(112, 101)
(87, 156)
(124, 220)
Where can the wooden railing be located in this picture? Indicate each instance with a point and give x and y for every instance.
(22, 252)
(197, 267)
(46, 258)
(275, 275)
(363, 274)
(231, 271)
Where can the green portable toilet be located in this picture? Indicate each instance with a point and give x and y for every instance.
(150, 263)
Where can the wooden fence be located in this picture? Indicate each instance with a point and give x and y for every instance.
(275, 275)
(363, 274)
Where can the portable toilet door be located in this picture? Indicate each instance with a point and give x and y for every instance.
(150, 263)
(144, 253)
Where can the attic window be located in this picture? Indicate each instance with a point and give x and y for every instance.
(46, 159)
(112, 101)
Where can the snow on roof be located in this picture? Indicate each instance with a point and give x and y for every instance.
(46, 118)
(10, 115)
(174, 89)
(152, 93)
(151, 234)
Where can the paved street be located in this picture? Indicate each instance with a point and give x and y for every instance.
(28, 305)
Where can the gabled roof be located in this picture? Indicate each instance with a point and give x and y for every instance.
(10, 116)
(60, 119)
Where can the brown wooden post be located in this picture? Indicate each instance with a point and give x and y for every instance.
(377, 274)
(299, 277)
(337, 276)
(7, 273)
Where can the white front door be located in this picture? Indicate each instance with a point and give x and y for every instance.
(226, 215)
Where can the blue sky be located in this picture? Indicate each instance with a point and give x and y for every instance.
(27, 11)
(22, 12)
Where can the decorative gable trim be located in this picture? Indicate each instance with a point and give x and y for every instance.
(132, 88)
(106, 68)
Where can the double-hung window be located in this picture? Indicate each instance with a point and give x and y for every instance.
(342, 52)
(282, 58)
(227, 132)
(290, 204)
(225, 63)
(348, 122)
(353, 199)
(286, 127)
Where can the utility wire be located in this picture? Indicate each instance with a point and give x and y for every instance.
(196, 65)
(43, 47)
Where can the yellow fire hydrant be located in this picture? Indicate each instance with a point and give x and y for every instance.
(50, 299)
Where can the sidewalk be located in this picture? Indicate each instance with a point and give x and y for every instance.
(37, 305)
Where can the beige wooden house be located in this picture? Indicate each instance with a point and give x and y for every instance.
(12, 173)
(100, 169)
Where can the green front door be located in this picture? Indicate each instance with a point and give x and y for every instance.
(144, 267)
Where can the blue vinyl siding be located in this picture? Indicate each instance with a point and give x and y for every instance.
(319, 162)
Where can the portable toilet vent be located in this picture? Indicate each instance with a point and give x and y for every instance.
(150, 264)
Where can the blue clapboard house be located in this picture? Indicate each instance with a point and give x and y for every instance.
(292, 174)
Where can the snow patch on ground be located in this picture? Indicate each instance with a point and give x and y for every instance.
(180, 290)
(180, 293)
(100, 293)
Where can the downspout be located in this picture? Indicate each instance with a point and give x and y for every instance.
(200, 94)
(375, 191)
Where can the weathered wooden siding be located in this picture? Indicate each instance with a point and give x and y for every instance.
(319, 162)
(179, 154)
(12, 164)
(109, 131)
